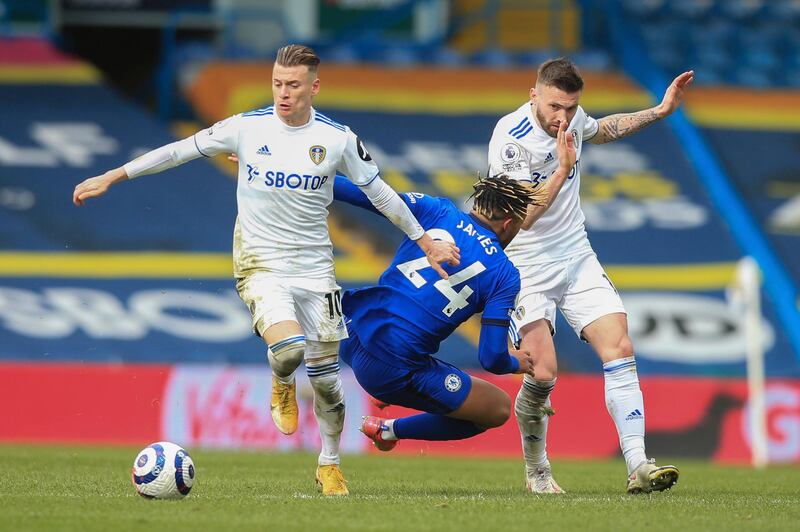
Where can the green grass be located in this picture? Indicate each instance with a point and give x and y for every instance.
(88, 488)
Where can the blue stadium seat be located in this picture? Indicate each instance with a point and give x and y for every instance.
(755, 78)
(643, 9)
(741, 10)
(492, 58)
(445, 57)
(691, 9)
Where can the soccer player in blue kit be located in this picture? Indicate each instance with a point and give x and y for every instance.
(397, 326)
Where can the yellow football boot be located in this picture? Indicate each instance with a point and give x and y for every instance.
(284, 406)
(331, 480)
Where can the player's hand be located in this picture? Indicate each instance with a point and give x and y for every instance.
(233, 158)
(673, 96)
(438, 252)
(96, 186)
(565, 148)
(525, 361)
(441, 252)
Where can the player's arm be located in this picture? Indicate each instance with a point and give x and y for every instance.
(346, 191)
(618, 126)
(219, 138)
(359, 166)
(567, 156)
(493, 351)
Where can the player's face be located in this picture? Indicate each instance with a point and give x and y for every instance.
(553, 106)
(293, 88)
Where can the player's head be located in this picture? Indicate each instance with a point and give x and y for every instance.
(503, 202)
(556, 93)
(294, 83)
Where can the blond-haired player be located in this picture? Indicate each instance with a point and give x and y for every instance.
(559, 269)
(288, 156)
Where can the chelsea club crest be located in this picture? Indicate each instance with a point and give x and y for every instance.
(317, 153)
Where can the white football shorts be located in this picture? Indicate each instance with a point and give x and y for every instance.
(316, 305)
(578, 286)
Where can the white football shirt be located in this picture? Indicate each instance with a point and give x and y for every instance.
(285, 185)
(523, 150)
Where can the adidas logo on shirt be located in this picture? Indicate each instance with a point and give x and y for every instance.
(636, 414)
(263, 150)
(548, 158)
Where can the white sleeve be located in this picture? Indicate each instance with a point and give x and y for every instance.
(508, 157)
(396, 211)
(590, 128)
(356, 162)
(222, 137)
(163, 158)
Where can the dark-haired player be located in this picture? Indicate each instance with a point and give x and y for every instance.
(396, 327)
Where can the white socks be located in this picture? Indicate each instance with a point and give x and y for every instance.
(626, 407)
(328, 407)
(388, 434)
(532, 402)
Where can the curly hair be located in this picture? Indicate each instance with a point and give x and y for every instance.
(499, 197)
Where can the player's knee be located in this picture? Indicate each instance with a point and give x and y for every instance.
(499, 413)
(622, 347)
(322, 367)
(545, 372)
(285, 355)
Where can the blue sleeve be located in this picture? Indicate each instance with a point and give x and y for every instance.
(493, 343)
(493, 349)
(503, 297)
(348, 192)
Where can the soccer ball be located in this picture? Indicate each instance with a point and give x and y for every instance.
(163, 470)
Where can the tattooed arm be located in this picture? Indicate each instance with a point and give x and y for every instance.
(615, 127)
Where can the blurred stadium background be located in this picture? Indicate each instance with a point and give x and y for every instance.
(119, 323)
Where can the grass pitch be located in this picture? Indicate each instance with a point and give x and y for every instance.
(86, 488)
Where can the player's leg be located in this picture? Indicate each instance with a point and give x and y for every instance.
(272, 308)
(325, 328)
(456, 406)
(322, 366)
(534, 318)
(594, 309)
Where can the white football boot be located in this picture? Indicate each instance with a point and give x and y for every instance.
(649, 477)
(540, 480)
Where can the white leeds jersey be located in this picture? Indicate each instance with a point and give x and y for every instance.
(523, 150)
(285, 185)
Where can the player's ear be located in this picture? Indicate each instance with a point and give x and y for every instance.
(315, 86)
(533, 94)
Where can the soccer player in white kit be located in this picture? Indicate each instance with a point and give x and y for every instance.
(288, 156)
(560, 270)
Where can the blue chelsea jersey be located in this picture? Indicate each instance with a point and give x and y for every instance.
(413, 309)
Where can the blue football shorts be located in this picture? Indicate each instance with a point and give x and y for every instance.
(433, 386)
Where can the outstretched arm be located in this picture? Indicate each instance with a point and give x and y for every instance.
(381, 199)
(618, 126)
(151, 162)
(219, 138)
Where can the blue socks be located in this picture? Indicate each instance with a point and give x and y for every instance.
(434, 427)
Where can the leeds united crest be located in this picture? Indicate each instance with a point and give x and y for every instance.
(317, 153)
